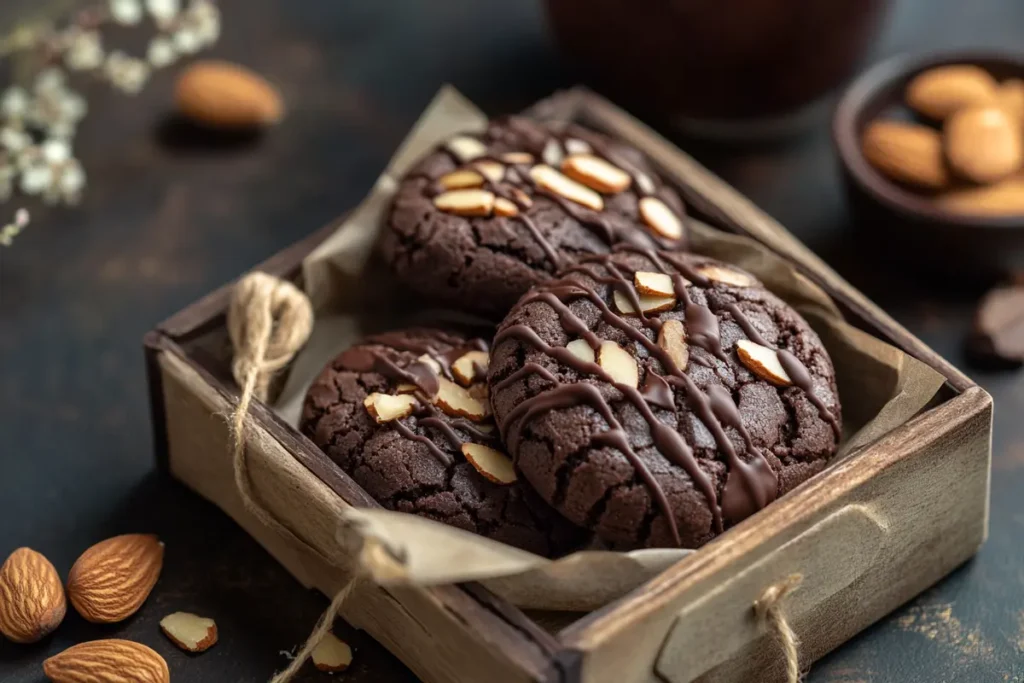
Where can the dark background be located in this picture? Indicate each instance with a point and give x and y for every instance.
(167, 218)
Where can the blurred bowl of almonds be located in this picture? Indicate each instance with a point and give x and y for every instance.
(932, 154)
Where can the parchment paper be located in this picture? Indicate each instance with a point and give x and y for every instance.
(880, 388)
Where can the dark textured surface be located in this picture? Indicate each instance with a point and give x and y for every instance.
(161, 226)
(484, 264)
(404, 474)
(594, 484)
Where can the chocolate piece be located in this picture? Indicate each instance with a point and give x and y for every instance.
(526, 207)
(417, 463)
(693, 450)
(998, 334)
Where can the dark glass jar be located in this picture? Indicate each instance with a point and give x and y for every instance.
(717, 59)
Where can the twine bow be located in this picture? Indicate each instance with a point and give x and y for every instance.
(768, 611)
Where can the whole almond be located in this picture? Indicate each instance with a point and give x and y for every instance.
(1005, 198)
(1011, 98)
(937, 93)
(112, 579)
(107, 661)
(225, 95)
(32, 602)
(983, 144)
(907, 153)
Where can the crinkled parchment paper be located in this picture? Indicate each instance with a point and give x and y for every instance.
(880, 388)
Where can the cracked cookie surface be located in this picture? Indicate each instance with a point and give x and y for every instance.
(666, 428)
(507, 225)
(415, 463)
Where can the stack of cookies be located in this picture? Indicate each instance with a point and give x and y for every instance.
(633, 395)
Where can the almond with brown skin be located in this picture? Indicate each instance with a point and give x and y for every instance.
(907, 153)
(107, 661)
(937, 93)
(32, 602)
(1010, 97)
(112, 579)
(983, 144)
(1005, 198)
(224, 95)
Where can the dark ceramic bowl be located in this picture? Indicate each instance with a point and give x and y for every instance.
(918, 231)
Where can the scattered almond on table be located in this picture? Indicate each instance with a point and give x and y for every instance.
(332, 654)
(32, 602)
(107, 661)
(112, 579)
(227, 96)
(968, 154)
(190, 632)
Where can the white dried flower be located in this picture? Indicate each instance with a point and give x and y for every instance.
(49, 80)
(126, 12)
(73, 107)
(187, 41)
(204, 17)
(85, 52)
(15, 103)
(161, 52)
(164, 12)
(56, 151)
(71, 182)
(127, 74)
(14, 140)
(36, 179)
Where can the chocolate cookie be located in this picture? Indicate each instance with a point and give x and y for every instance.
(483, 218)
(406, 415)
(657, 398)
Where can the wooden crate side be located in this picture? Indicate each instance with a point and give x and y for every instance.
(925, 484)
(443, 634)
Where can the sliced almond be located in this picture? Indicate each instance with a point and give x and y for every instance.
(581, 349)
(648, 304)
(466, 202)
(492, 170)
(576, 146)
(461, 179)
(458, 402)
(517, 158)
(552, 154)
(430, 361)
(470, 366)
(504, 207)
(654, 284)
(190, 632)
(332, 654)
(553, 181)
(385, 408)
(466, 148)
(643, 183)
(763, 362)
(493, 465)
(522, 198)
(596, 173)
(726, 276)
(660, 218)
(672, 340)
(617, 362)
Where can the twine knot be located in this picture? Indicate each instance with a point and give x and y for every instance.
(269, 320)
(768, 611)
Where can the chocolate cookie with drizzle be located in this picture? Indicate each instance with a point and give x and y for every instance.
(657, 398)
(484, 217)
(406, 415)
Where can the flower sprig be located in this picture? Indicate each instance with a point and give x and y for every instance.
(39, 119)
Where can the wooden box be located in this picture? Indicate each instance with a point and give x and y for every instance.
(867, 534)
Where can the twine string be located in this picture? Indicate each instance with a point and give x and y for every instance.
(269, 320)
(768, 609)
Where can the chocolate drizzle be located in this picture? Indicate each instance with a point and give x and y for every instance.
(422, 375)
(750, 484)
